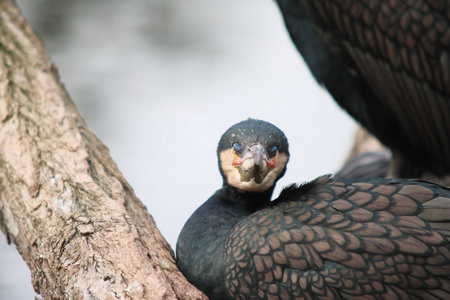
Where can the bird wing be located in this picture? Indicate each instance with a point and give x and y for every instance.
(369, 164)
(386, 62)
(387, 239)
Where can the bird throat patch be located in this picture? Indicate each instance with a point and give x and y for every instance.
(254, 173)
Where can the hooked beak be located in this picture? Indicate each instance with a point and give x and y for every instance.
(254, 164)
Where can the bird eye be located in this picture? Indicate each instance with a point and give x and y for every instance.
(237, 148)
(273, 151)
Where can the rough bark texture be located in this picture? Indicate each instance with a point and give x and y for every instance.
(63, 201)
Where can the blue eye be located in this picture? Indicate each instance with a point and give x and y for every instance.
(273, 151)
(236, 147)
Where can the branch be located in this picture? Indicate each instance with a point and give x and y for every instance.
(63, 201)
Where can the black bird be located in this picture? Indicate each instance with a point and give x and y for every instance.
(327, 239)
(387, 63)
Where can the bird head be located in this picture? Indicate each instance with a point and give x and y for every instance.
(252, 155)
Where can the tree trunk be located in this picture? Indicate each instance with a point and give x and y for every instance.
(63, 201)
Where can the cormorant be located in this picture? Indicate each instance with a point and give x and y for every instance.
(387, 63)
(326, 239)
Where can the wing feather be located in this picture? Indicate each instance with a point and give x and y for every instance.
(332, 242)
(388, 64)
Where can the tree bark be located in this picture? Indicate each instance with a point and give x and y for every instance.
(365, 142)
(63, 201)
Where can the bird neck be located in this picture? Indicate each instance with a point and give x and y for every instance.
(248, 201)
(202, 239)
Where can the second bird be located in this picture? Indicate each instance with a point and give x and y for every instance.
(387, 62)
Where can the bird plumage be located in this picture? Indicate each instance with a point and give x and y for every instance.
(377, 239)
(326, 239)
(388, 64)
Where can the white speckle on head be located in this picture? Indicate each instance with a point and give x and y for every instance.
(233, 135)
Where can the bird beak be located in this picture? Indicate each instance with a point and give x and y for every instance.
(254, 164)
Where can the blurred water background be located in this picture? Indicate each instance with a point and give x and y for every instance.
(159, 81)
